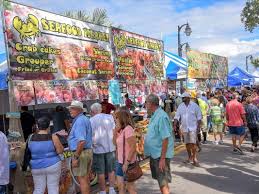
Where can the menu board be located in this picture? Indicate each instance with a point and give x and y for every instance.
(138, 57)
(46, 46)
(206, 66)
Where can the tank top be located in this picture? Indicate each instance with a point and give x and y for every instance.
(43, 151)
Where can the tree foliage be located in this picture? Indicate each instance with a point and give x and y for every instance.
(250, 15)
(99, 16)
(255, 62)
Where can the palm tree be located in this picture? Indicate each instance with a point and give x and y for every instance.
(99, 16)
(255, 62)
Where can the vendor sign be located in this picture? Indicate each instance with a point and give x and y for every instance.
(24, 93)
(45, 46)
(206, 66)
(138, 57)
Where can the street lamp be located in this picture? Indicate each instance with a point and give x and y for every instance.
(248, 57)
(187, 47)
(187, 31)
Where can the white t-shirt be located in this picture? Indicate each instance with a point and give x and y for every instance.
(102, 131)
(4, 160)
(189, 116)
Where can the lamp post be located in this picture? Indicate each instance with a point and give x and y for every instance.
(187, 47)
(187, 31)
(248, 57)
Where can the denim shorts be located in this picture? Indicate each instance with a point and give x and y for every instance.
(237, 130)
(3, 189)
(119, 171)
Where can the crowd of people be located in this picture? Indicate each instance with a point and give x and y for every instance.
(106, 142)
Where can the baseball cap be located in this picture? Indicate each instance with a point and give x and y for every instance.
(186, 95)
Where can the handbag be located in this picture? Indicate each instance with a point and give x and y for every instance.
(27, 155)
(134, 171)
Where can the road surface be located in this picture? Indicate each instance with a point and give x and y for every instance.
(221, 172)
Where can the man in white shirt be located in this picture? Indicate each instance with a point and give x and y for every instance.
(4, 163)
(103, 147)
(189, 115)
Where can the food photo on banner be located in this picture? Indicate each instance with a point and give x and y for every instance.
(24, 93)
(159, 87)
(91, 89)
(46, 46)
(138, 90)
(78, 90)
(207, 66)
(103, 89)
(138, 57)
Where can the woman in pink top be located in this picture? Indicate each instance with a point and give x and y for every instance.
(125, 142)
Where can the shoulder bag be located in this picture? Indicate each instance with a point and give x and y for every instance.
(134, 171)
(27, 155)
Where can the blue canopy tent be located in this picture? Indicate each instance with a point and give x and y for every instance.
(3, 72)
(175, 66)
(239, 77)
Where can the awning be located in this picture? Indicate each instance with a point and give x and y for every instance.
(3, 72)
(175, 66)
(239, 77)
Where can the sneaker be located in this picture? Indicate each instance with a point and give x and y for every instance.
(235, 150)
(112, 190)
(239, 151)
(216, 142)
(221, 142)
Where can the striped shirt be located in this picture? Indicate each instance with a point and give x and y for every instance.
(216, 114)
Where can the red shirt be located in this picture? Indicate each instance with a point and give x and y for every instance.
(234, 111)
(107, 107)
(128, 103)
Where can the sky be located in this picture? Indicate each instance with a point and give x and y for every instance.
(216, 24)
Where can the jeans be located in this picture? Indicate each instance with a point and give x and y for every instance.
(3, 189)
(47, 177)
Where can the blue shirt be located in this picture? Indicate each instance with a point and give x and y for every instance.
(43, 152)
(159, 128)
(81, 131)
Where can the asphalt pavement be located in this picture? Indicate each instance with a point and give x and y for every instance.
(222, 172)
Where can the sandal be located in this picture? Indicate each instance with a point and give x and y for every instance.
(196, 164)
(187, 161)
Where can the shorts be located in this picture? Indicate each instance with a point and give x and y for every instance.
(119, 171)
(190, 137)
(104, 163)
(217, 128)
(163, 178)
(3, 189)
(204, 124)
(85, 163)
(237, 130)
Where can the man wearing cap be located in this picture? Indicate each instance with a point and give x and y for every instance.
(80, 143)
(189, 115)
